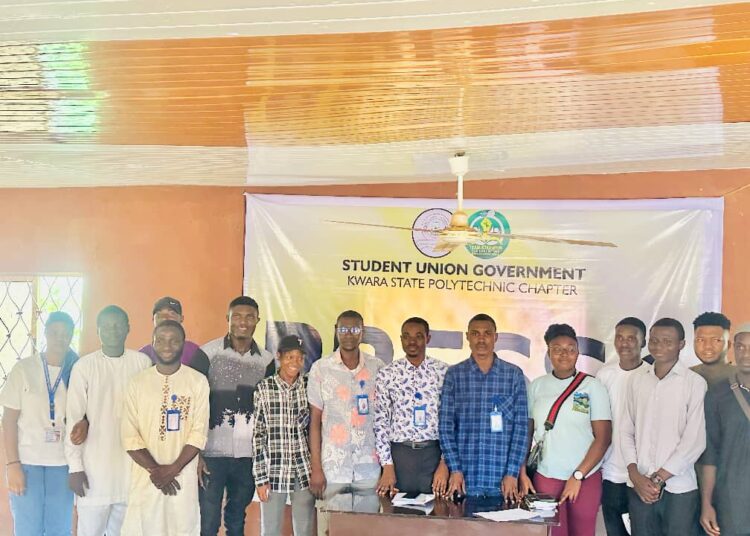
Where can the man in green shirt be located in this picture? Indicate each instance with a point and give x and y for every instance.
(711, 344)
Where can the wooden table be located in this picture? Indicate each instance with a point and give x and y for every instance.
(447, 519)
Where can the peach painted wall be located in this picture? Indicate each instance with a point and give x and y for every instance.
(134, 245)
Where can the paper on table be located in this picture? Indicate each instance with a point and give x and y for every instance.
(513, 514)
(423, 498)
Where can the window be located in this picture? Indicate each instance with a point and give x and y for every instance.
(25, 302)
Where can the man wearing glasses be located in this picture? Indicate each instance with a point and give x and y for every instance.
(341, 390)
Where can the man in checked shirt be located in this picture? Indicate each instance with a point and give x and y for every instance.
(406, 417)
(282, 457)
(483, 416)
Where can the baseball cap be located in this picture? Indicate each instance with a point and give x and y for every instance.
(167, 303)
(290, 342)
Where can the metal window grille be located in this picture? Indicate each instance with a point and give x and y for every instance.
(25, 303)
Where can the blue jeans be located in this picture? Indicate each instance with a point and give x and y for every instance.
(46, 507)
(236, 476)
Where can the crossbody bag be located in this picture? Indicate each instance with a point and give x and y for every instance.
(535, 454)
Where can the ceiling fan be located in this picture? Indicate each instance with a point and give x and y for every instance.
(458, 232)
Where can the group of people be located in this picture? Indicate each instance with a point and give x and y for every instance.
(173, 438)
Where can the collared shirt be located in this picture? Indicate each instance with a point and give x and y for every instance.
(614, 379)
(728, 449)
(282, 419)
(400, 387)
(664, 425)
(469, 445)
(232, 378)
(348, 440)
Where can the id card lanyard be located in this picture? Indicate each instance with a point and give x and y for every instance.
(51, 389)
(419, 413)
(363, 401)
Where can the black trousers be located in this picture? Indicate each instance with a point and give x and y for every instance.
(235, 475)
(676, 514)
(614, 505)
(415, 467)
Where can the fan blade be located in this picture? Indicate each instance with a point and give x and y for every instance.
(556, 240)
(442, 245)
(384, 226)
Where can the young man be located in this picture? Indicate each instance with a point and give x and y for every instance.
(630, 338)
(484, 418)
(341, 392)
(163, 429)
(725, 465)
(168, 308)
(406, 417)
(280, 439)
(33, 399)
(100, 467)
(662, 435)
(237, 365)
(711, 343)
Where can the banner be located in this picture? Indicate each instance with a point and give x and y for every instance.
(304, 270)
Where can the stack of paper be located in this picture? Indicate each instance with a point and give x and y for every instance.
(513, 514)
(401, 499)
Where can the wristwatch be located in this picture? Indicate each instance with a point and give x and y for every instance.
(578, 475)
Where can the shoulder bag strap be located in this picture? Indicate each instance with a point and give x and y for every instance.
(555, 409)
(735, 386)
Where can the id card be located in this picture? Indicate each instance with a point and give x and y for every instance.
(52, 435)
(496, 421)
(173, 420)
(363, 404)
(419, 416)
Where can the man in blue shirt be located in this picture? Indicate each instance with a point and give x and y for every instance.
(483, 418)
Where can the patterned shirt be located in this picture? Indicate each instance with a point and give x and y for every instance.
(282, 419)
(401, 387)
(469, 397)
(232, 377)
(348, 440)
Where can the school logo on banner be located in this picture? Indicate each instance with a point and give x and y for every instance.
(493, 226)
(425, 241)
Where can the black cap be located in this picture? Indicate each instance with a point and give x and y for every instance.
(167, 303)
(290, 342)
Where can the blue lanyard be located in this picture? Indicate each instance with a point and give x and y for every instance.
(51, 389)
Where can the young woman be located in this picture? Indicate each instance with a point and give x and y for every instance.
(34, 432)
(573, 449)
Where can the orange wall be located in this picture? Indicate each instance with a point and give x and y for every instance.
(136, 244)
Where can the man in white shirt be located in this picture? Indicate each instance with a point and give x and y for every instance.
(662, 435)
(100, 467)
(630, 338)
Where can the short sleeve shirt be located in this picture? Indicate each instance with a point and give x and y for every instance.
(348, 438)
(567, 443)
(25, 390)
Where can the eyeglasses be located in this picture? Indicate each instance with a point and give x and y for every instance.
(346, 330)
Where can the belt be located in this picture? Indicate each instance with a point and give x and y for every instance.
(417, 445)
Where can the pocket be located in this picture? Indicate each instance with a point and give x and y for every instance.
(303, 419)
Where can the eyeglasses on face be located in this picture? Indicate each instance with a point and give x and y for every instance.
(348, 330)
